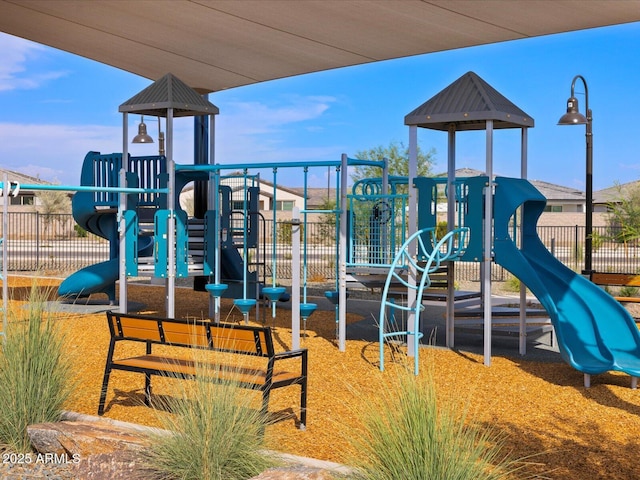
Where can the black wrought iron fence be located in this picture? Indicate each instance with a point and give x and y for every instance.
(50, 243)
(54, 243)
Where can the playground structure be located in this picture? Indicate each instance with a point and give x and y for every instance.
(387, 224)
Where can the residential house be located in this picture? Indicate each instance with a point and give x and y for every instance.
(26, 200)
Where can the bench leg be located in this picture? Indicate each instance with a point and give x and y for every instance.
(634, 382)
(147, 389)
(265, 401)
(303, 405)
(587, 380)
(103, 392)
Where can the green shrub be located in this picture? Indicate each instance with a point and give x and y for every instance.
(409, 435)
(441, 230)
(628, 291)
(80, 232)
(512, 284)
(35, 377)
(216, 433)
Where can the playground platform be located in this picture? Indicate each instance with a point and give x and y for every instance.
(541, 345)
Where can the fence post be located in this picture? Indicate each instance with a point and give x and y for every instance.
(37, 240)
(575, 250)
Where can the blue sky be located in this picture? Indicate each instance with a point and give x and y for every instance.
(54, 107)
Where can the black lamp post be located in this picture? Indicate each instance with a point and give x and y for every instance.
(574, 117)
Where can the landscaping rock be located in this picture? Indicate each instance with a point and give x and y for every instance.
(297, 472)
(87, 450)
(78, 439)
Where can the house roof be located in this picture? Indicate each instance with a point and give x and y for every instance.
(21, 178)
(294, 191)
(551, 191)
(615, 193)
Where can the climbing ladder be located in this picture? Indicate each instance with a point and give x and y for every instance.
(430, 256)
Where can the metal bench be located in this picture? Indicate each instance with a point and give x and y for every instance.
(202, 334)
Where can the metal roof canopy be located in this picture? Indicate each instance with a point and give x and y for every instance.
(169, 92)
(469, 103)
(217, 44)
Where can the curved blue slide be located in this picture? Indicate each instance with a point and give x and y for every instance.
(595, 333)
(100, 218)
(101, 277)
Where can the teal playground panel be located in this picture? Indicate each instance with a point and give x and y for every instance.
(377, 222)
(469, 204)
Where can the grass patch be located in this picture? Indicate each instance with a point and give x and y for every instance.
(35, 376)
(512, 284)
(408, 434)
(217, 432)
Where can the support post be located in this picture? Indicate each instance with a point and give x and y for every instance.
(122, 206)
(342, 281)
(451, 219)
(295, 279)
(413, 320)
(488, 246)
(523, 287)
(171, 227)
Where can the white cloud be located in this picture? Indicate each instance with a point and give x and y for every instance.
(261, 132)
(54, 152)
(247, 133)
(251, 118)
(16, 55)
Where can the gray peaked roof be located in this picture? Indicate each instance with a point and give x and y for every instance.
(169, 92)
(468, 102)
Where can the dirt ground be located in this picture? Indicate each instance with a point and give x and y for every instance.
(542, 408)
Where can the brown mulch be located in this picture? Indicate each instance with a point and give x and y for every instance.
(542, 408)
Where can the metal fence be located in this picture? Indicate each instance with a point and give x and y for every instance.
(50, 243)
(54, 243)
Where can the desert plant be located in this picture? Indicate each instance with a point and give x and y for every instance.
(409, 434)
(216, 432)
(512, 284)
(80, 232)
(628, 291)
(35, 376)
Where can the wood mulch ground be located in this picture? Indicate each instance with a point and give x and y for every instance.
(542, 408)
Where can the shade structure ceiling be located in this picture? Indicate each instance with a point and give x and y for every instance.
(218, 44)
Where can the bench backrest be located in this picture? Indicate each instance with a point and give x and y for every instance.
(621, 279)
(224, 337)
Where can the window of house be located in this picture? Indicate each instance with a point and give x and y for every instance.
(23, 200)
(285, 205)
(553, 208)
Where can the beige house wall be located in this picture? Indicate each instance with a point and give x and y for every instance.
(570, 219)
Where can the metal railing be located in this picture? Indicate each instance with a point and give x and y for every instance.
(53, 243)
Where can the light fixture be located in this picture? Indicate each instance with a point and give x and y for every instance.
(142, 136)
(574, 117)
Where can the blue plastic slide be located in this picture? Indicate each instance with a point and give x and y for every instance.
(595, 333)
(96, 213)
(101, 277)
